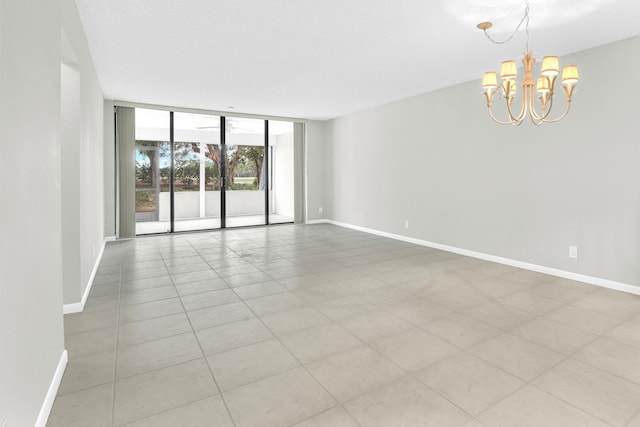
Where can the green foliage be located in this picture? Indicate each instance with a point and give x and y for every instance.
(187, 172)
(145, 201)
(165, 174)
(144, 169)
(241, 186)
(144, 173)
(244, 165)
(244, 161)
(212, 175)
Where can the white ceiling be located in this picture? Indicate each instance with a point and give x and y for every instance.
(320, 59)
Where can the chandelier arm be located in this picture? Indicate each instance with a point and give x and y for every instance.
(546, 114)
(543, 118)
(534, 113)
(523, 108)
(566, 111)
(493, 117)
(500, 92)
(536, 121)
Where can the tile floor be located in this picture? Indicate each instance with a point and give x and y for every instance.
(323, 326)
(195, 224)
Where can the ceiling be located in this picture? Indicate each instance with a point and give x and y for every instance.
(321, 59)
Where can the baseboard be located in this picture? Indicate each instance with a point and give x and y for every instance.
(78, 307)
(110, 239)
(597, 281)
(45, 410)
(317, 221)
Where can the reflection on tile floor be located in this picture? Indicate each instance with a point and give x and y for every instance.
(194, 224)
(323, 326)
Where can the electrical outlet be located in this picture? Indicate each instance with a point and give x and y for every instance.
(406, 223)
(320, 209)
(573, 252)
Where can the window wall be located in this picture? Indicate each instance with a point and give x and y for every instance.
(199, 171)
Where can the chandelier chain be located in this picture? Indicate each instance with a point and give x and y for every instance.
(525, 18)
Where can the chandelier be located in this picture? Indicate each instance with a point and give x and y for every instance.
(544, 86)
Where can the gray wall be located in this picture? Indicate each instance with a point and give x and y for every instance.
(109, 158)
(523, 193)
(31, 240)
(315, 169)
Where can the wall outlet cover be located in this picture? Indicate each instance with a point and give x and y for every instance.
(573, 252)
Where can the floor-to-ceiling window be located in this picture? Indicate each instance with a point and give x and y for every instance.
(152, 175)
(200, 171)
(196, 188)
(246, 183)
(282, 172)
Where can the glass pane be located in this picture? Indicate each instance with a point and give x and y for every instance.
(245, 172)
(152, 171)
(197, 171)
(281, 206)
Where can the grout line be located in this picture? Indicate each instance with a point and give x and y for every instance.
(204, 357)
(117, 338)
(300, 364)
(277, 338)
(368, 273)
(571, 404)
(166, 410)
(339, 405)
(632, 419)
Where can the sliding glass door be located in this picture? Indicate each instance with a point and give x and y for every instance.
(245, 171)
(196, 188)
(198, 171)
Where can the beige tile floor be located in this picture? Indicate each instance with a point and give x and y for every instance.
(323, 326)
(194, 224)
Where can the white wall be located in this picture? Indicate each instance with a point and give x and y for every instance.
(31, 285)
(283, 177)
(70, 180)
(85, 165)
(30, 238)
(523, 193)
(187, 204)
